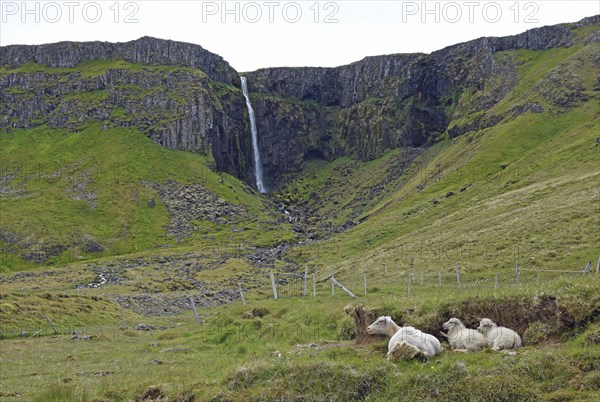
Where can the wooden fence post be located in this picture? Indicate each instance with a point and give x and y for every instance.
(332, 286)
(305, 279)
(241, 294)
(196, 316)
(587, 268)
(365, 280)
(457, 276)
(122, 316)
(409, 281)
(496, 281)
(314, 284)
(273, 286)
(349, 293)
(518, 272)
(598, 266)
(52, 325)
(37, 333)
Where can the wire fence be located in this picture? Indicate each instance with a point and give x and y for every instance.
(318, 283)
(314, 282)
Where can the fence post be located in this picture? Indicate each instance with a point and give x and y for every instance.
(409, 281)
(496, 281)
(122, 316)
(598, 266)
(273, 286)
(439, 279)
(241, 294)
(587, 268)
(37, 333)
(305, 279)
(365, 280)
(518, 272)
(195, 310)
(332, 286)
(52, 325)
(314, 285)
(349, 293)
(457, 275)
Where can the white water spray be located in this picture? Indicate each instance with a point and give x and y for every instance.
(257, 165)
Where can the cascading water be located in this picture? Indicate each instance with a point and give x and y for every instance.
(257, 165)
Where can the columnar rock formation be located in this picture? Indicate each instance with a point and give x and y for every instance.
(362, 109)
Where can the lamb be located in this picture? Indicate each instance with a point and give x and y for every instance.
(499, 338)
(406, 341)
(462, 338)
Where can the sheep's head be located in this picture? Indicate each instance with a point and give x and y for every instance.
(485, 325)
(453, 323)
(380, 326)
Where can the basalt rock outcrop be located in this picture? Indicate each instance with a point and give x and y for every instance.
(184, 97)
(385, 102)
(177, 106)
(145, 50)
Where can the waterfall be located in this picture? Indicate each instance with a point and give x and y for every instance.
(257, 165)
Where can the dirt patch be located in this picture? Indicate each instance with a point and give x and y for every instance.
(254, 313)
(516, 313)
(152, 394)
(185, 397)
(363, 317)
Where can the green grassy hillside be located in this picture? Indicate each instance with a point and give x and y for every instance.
(521, 183)
(61, 187)
(523, 189)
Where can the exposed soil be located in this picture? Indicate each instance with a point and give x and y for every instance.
(517, 314)
(363, 317)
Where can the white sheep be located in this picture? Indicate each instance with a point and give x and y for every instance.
(462, 338)
(405, 338)
(499, 338)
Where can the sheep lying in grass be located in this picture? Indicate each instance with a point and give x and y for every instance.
(462, 338)
(405, 342)
(499, 338)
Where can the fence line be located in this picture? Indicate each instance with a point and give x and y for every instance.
(371, 277)
(295, 285)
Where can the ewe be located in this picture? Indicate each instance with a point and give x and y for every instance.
(463, 339)
(405, 341)
(499, 338)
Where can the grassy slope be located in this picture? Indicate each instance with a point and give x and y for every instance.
(529, 189)
(531, 192)
(233, 356)
(115, 161)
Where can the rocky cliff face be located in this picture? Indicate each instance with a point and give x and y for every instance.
(145, 50)
(362, 109)
(192, 104)
(384, 102)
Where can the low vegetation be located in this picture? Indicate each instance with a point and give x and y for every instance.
(513, 204)
(301, 348)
